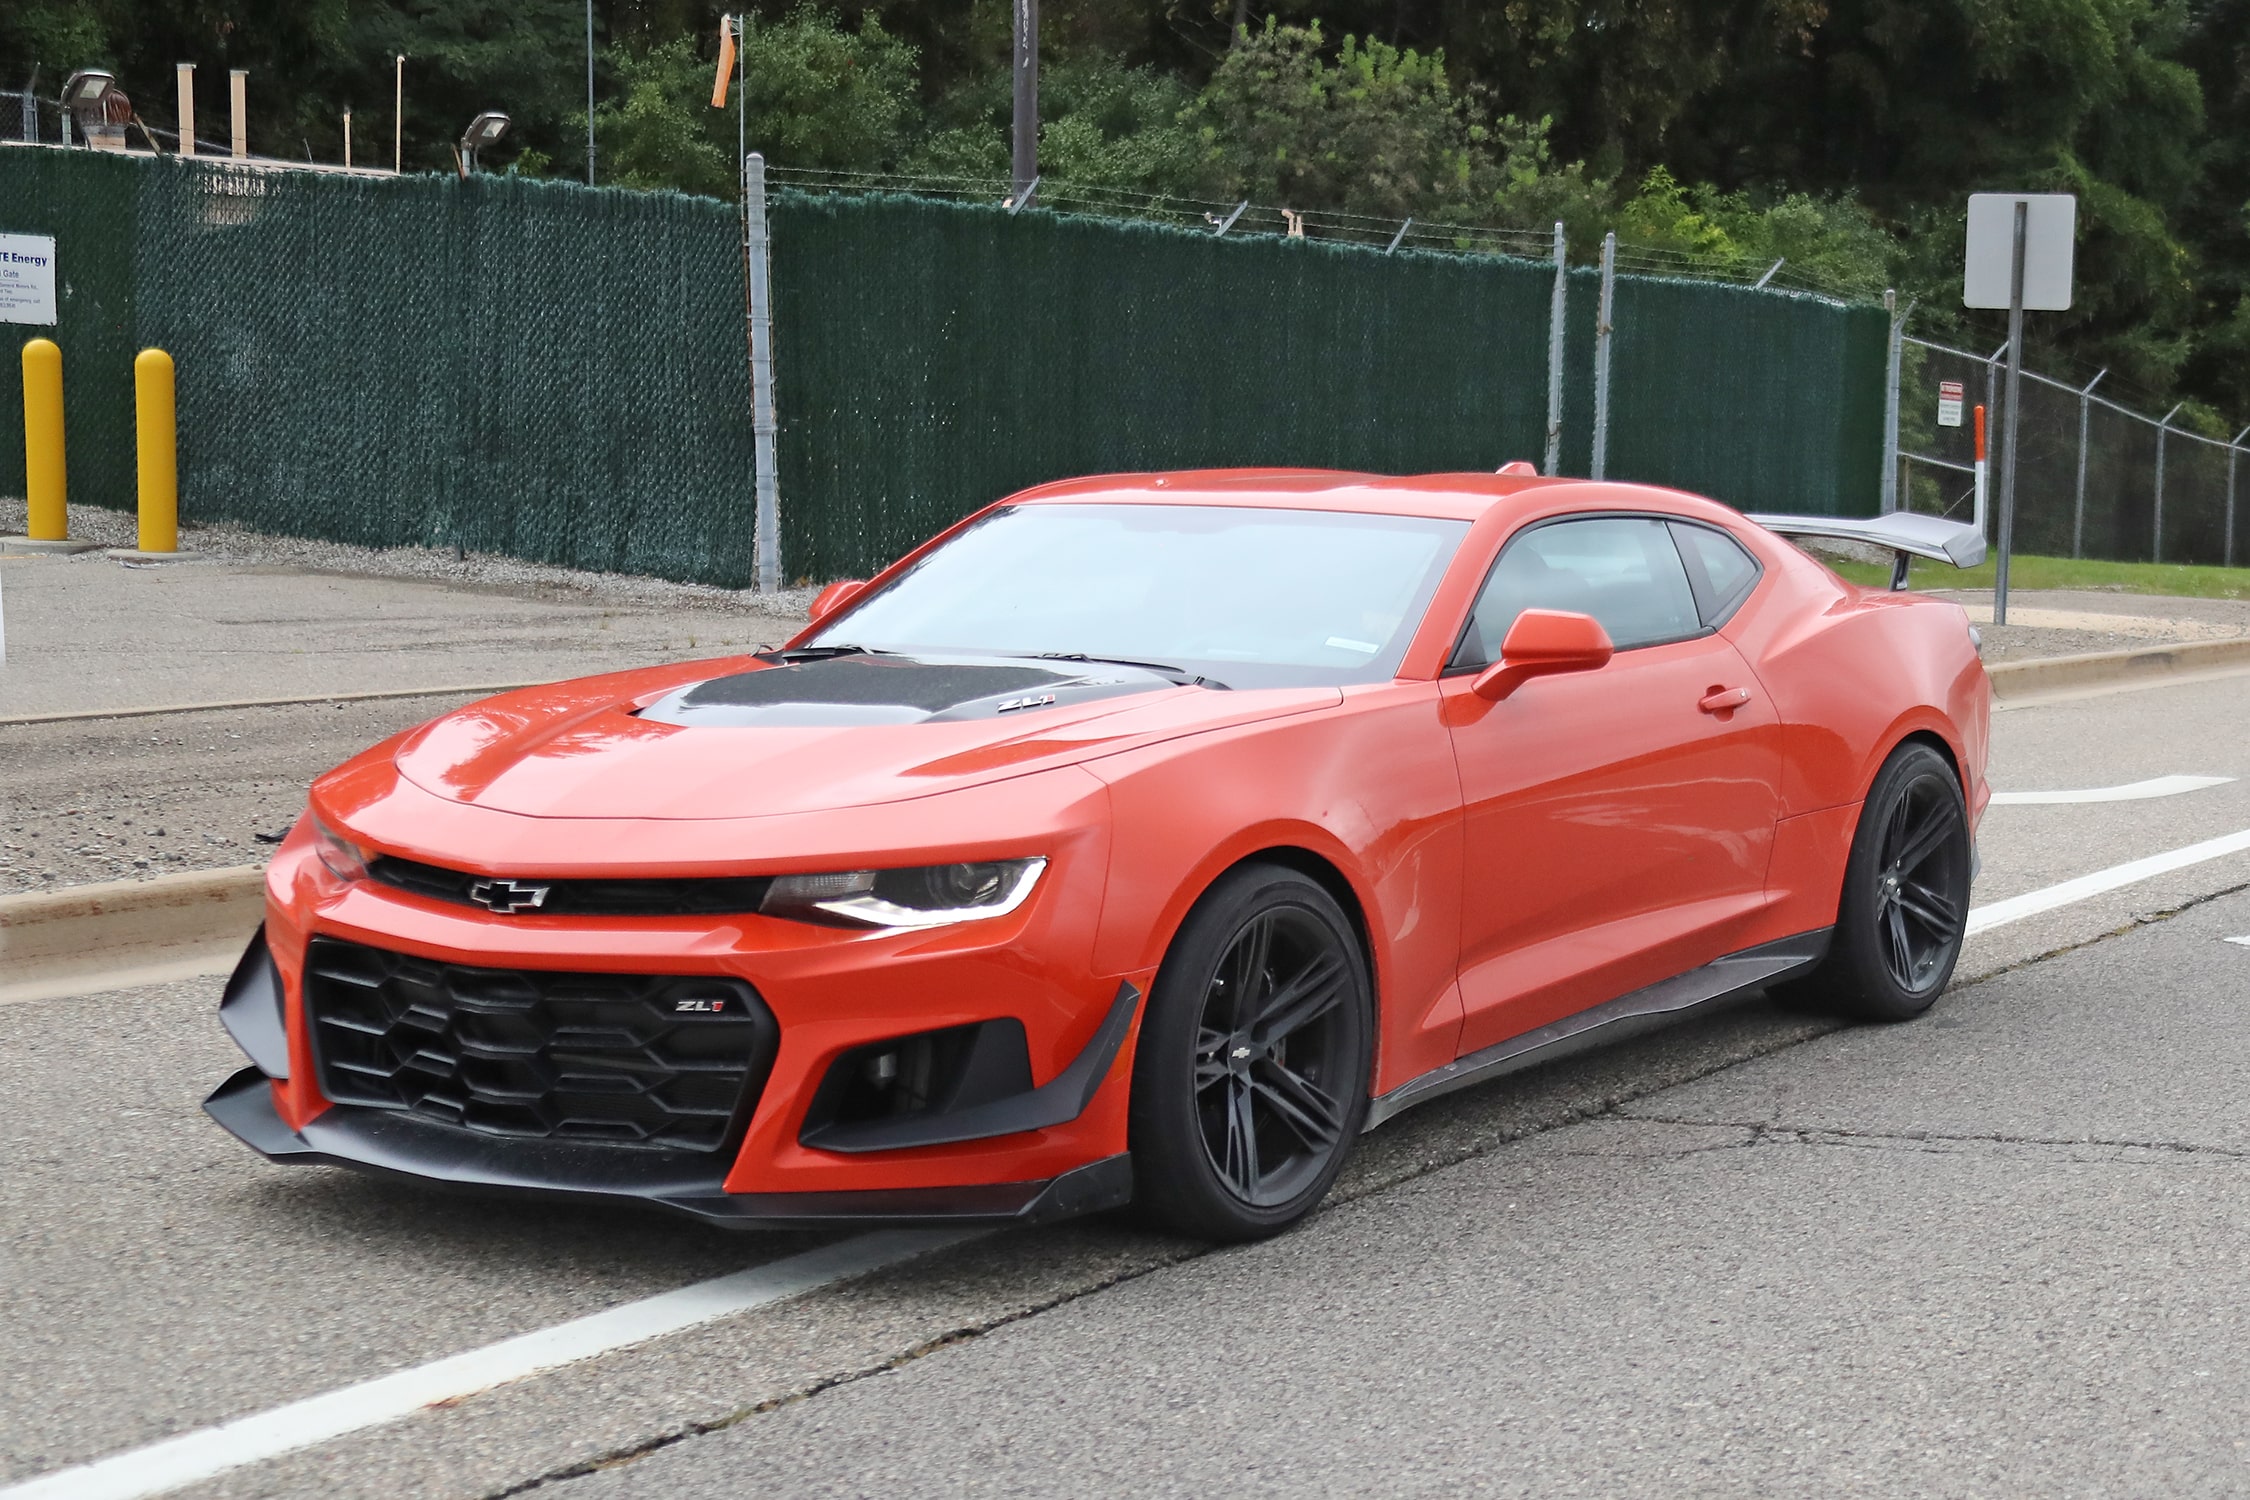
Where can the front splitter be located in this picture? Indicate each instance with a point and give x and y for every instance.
(385, 1143)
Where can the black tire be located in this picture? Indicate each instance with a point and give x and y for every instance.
(1905, 903)
(1250, 1077)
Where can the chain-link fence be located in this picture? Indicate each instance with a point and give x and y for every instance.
(560, 373)
(2094, 478)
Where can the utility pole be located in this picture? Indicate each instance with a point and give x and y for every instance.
(589, 93)
(1027, 98)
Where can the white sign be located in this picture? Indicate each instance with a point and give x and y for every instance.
(1950, 395)
(2050, 238)
(27, 279)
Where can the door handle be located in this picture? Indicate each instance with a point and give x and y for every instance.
(1722, 700)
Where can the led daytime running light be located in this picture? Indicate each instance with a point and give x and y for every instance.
(924, 896)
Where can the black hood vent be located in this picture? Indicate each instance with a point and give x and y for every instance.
(866, 688)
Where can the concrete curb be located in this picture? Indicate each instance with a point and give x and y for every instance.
(2014, 680)
(84, 938)
(465, 690)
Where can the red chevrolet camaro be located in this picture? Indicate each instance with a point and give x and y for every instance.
(1140, 839)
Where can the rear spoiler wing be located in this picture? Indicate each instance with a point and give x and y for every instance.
(1902, 533)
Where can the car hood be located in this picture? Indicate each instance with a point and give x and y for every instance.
(753, 737)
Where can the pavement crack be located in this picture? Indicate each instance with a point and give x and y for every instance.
(967, 1333)
(1769, 1133)
(2140, 920)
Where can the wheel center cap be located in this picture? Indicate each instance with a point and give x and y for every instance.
(1240, 1053)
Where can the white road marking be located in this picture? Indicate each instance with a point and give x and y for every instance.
(2134, 791)
(198, 1455)
(2244, 940)
(2032, 903)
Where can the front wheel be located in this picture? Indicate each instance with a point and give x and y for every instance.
(1905, 904)
(1250, 1077)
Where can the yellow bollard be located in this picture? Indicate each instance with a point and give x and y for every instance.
(158, 432)
(43, 480)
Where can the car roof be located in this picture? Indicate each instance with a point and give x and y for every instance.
(1464, 497)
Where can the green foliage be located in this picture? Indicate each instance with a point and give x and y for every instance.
(1830, 242)
(824, 96)
(663, 132)
(1842, 135)
(1376, 131)
(818, 95)
(1101, 124)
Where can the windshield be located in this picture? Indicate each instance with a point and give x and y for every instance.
(1244, 596)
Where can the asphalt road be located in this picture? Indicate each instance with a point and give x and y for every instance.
(1996, 1251)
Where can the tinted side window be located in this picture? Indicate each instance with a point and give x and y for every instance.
(1729, 571)
(1622, 570)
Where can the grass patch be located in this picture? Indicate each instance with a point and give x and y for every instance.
(2180, 579)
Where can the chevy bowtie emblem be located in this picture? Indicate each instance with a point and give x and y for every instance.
(508, 896)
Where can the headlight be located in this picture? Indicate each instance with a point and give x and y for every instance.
(343, 859)
(926, 896)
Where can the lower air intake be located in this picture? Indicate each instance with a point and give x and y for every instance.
(657, 1060)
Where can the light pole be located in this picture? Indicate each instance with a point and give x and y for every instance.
(1027, 98)
(589, 93)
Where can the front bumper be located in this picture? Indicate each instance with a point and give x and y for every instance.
(389, 1144)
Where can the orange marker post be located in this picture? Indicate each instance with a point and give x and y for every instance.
(1980, 469)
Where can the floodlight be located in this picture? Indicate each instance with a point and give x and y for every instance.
(87, 88)
(483, 131)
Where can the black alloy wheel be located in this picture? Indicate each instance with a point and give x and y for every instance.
(1250, 1080)
(1921, 914)
(1905, 905)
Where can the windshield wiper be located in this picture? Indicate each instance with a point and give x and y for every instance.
(1162, 669)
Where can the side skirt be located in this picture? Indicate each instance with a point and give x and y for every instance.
(1658, 1005)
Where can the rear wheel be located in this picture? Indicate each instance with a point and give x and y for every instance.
(1905, 903)
(1250, 1077)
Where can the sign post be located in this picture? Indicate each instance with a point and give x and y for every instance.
(2019, 256)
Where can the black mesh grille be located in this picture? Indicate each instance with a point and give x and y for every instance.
(640, 1060)
(691, 897)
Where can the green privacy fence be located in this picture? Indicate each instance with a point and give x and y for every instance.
(86, 202)
(559, 373)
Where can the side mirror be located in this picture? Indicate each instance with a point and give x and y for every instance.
(1541, 643)
(835, 597)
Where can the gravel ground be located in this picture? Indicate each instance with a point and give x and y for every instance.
(124, 799)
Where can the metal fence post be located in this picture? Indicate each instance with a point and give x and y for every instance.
(2163, 429)
(2234, 449)
(2078, 506)
(1992, 382)
(1602, 331)
(767, 537)
(1554, 355)
(1890, 498)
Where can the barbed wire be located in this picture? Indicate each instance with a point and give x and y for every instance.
(1440, 236)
